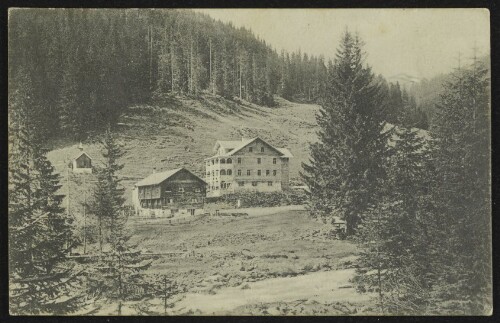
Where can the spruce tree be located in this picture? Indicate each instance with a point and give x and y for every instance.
(395, 235)
(346, 166)
(462, 191)
(42, 279)
(108, 195)
(120, 265)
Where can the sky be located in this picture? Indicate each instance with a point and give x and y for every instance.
(418, 42)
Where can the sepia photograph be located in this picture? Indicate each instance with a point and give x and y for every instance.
(249, 162)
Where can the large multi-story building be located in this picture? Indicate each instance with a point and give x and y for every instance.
(247, 165)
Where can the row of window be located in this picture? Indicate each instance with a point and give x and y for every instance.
(159, 203)
(249, 172)
(222, 161)
(240, 184)
(230, 161)
(182, 190)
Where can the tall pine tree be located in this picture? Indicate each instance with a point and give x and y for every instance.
(346, 166)
(42, 279)
(462, 191)
(120, 265)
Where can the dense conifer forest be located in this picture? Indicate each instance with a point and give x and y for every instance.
(88, 66)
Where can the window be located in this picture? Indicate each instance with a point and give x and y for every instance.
(239, 160)
(212, 161)
(274, 172)
(229, 161)
(213, 173)
(248, 172)
(274, 160)
(222, 172)
(267, 172)
(208, 173)
(239, 172)
(254, 183)
(261, 149)
(250, 149)
(241, 183)
(258, 172)
(222, 161)
(229, 172)
(217, 172)
(259, 160)
(269, 183)
(181, 189)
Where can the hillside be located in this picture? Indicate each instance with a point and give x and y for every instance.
(181, 132)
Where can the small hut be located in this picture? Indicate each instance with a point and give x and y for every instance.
(81, 162)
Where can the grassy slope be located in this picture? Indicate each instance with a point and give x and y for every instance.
(181, 132)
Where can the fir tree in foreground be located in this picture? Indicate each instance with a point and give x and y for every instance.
(394, 236)
(425, 247)
(108, 195)
(120, 264)
(462, 192)
(42, 279)
(345, 170)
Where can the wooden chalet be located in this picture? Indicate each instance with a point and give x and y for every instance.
(169, 193)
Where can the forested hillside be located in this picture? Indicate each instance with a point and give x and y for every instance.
(86, 67)
(426, 92)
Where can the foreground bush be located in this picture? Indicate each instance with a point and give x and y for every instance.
(259, 199)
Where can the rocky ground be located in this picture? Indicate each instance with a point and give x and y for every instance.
(263, 263)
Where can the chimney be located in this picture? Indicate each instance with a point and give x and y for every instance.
(154, 169)
(80, 146)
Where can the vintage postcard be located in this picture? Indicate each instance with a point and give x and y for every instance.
(249, 162)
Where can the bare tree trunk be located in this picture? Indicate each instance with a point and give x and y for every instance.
(151, 57)
(240, 80)
(100, 234)
(210, 64)
(84, 218)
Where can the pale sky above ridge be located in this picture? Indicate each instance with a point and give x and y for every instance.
(418, 42)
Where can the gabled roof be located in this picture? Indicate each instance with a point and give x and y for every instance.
(247, 142)
(229, 144)
(79, 154)
(237, 145)
(157, 178)
(232, 144)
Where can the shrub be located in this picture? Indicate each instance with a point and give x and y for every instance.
(256, 199)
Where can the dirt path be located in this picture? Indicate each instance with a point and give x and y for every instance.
(325, 286)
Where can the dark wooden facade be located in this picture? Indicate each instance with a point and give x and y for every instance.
(182, 190)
